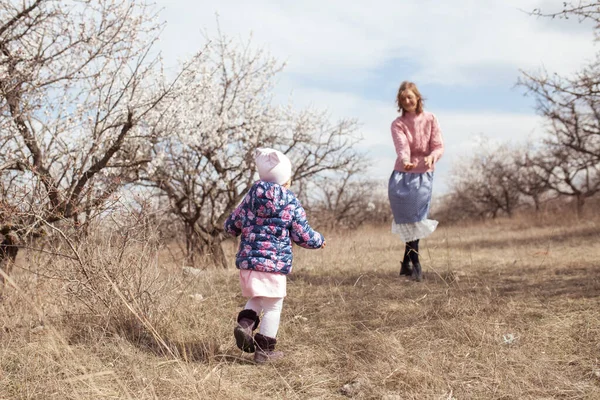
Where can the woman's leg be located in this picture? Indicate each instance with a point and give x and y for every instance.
(412, 251)
(405, 268)
(414, 258)
(406, 258)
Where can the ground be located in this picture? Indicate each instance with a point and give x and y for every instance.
(508, 310)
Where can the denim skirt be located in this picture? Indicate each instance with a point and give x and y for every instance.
(410, 199)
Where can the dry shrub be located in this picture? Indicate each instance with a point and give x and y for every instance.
(111, 281)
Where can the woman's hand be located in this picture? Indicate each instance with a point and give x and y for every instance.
(428, 161)
(408, 166)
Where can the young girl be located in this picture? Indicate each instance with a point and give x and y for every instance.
(418, 142)
(268, 219)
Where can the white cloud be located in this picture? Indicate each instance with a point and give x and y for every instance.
(447, 40)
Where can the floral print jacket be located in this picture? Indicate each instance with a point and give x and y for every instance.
(268, 219)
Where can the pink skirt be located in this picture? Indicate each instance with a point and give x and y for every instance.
(262, 284)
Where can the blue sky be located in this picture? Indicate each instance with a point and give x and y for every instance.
(350, 57)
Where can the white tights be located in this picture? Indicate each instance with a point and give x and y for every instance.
(271, 308)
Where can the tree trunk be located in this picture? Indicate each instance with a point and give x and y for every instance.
(216, 250)
(198, 247)
(536, 202)
(8, 254)
(580, 201)
(191, 244)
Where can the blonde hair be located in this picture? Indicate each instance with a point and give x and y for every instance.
(406, 85)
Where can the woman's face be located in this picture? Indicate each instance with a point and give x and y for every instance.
(408, 100)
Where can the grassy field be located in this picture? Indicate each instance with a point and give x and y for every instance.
(507, 310)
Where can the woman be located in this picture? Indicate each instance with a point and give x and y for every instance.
(418, 142)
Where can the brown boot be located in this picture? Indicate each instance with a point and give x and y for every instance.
(265, 349)
(247, 322)
(405, 269)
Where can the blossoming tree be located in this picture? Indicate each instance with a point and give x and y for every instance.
(223, 112)
(80, 86)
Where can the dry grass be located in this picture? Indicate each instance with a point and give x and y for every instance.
(508, 310)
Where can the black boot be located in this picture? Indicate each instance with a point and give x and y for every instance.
(247, 321)
(265, 349)
(405, 269)
(417, 274)
(411, 255)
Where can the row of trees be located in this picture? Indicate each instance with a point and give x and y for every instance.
(86, 109)
(566, 163)
(502, 178)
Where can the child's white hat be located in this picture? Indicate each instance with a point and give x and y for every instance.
(272, 165)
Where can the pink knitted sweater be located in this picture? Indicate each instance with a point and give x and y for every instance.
(415, 137)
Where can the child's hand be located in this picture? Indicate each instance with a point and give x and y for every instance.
(428, 161)
(323, 245)
(408, 166)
